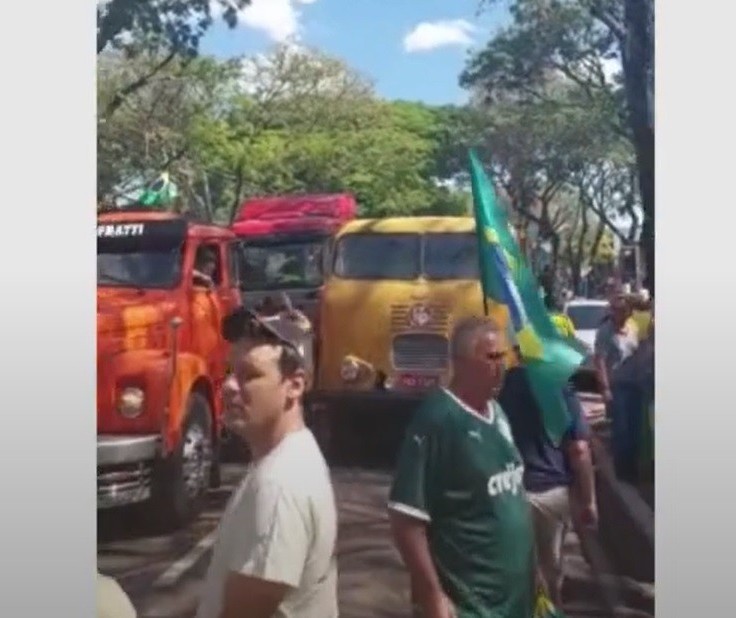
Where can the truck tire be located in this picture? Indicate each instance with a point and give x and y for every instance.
(181, 480)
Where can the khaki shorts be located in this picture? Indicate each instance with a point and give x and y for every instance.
(551, 514)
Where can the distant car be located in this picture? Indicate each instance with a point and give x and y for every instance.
(586, 314)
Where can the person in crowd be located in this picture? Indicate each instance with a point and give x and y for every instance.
(275, 551)
(615, 344)
(205, 266)
(641, 313)
(559, 479)
(458, 511)
(561, 321)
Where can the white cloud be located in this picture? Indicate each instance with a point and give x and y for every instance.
(427, 35)
(277, 19)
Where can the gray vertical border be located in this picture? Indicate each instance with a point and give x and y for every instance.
(696, 308)
(47, 129)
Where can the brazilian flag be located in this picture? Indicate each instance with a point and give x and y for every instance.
(161, 193)
(550, 359)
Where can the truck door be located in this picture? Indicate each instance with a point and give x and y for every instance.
(208, 309)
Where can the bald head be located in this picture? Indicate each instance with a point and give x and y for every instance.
(467, 332)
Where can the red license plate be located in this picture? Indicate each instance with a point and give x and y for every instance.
(418, 381)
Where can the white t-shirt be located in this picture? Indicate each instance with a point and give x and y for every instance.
(281, 525)
(112, 602)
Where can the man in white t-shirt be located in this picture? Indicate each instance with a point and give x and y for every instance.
(275, 552)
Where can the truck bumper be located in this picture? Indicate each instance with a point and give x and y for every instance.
(124, 469)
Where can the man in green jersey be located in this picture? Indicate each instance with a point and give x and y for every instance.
(459, 514)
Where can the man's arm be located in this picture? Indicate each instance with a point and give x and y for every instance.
(600, 364)
(251, 597)
(271, 561)
(410, 509)
(578, 453)
(410, 536)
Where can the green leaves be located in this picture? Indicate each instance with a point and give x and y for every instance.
(294, 120)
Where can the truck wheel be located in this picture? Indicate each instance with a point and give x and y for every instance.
(181, 481)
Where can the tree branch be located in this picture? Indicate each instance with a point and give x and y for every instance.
(122, 94)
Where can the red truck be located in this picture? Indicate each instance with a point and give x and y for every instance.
(285, 243)
(163, 285)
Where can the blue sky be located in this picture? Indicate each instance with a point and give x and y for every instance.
(412, 49)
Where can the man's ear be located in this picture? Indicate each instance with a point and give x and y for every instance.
(296, 384)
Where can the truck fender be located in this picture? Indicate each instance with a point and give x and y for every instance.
(189, 372)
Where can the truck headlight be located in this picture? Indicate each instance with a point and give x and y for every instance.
(130, 402)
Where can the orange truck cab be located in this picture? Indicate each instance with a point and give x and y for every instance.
(163, 286)
(285, 243)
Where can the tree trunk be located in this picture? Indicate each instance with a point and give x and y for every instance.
(638, 67)
(576, 273)
(555, 240)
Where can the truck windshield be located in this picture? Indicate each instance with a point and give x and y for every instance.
(402, 257)
(451, 256)
(139, 269)
(378, 256)
(284, 265)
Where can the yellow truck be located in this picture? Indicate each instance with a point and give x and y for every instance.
(394, 290)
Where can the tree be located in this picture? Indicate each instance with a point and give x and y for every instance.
(304, 121)
(156, 128)
(535, 145)
(170, 30)
(577, 38)
(177, 25)
(292, 120)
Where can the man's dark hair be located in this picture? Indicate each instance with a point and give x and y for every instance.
(205, 255)
(245, 324)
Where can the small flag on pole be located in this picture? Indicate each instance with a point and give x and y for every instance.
(506, 279)
(160, 193)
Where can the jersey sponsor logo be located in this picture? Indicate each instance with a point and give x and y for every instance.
(475, 434)
(418, 439)
(509, 481)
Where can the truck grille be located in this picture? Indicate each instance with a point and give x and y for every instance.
(401, 320)
(420, 351)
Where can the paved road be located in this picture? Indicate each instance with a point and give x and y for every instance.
(163, 574)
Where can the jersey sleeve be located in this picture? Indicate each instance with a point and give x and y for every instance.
(417, 467)
(275, 540)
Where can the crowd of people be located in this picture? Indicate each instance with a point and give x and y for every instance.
(481, 498)
(624, 361)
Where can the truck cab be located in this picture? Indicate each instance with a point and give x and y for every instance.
(285, 243)
(163, 285)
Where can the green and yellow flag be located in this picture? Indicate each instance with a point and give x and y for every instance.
(550, 359)
(161, 193)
